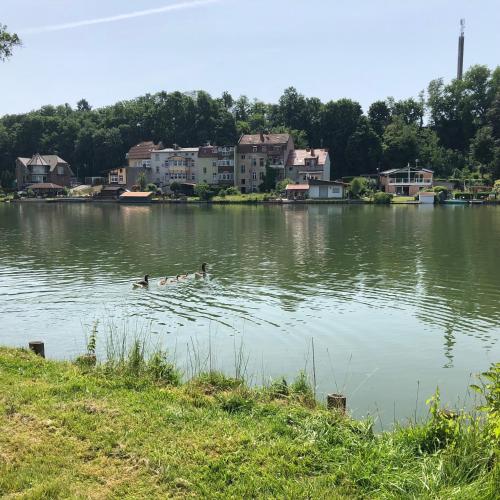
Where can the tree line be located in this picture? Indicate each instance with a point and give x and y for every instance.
(452, 128)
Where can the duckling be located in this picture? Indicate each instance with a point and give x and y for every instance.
(203, 273)
(164, 281)
(181, 277)
(143, 283)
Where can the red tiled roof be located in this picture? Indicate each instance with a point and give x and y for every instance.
(250, 139)
(136, 194)
(297, 187)
(142, 151)
(298, 156)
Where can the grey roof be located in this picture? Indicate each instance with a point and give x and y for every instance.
(405, 169)
(38, 161)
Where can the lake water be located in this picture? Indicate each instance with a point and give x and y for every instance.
(397, 300)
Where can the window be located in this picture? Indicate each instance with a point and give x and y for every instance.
(242, 169)
(214, 175)
(261, 162)
(157, 156)
(157, 169)
(214, 164)
(254, 176)
(261, 176)
(204, 170)
(60, 170)
(113, 179)
(242, 157)
(120, 178)
(254, 149)
(264, 149)
(192, 177)
(254, 162)
(242, 182)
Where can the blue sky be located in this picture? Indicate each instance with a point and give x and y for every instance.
(362, 49)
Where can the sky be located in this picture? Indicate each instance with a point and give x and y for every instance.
(110, 50)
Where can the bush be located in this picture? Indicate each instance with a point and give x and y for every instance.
(281, 186)
(203, 191)
(440, 189)
(152, 187)
(381, 198)
(161, 370)
(231, 190)
(358, 186)
(30, 193)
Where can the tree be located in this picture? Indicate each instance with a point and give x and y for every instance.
(364, 149)
(142, 181)
(281, 186)
(358, 186)
(483, 147)
(269, 181)
(83, 105)
(175, 187)
(379, 116)
(400, 144)
(8, 42)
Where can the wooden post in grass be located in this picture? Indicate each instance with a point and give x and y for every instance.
(336, 402)
(38, 347)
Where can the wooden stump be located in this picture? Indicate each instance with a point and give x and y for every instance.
(38, 347)
(336, 402)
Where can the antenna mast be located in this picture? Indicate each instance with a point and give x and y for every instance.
(461, 39)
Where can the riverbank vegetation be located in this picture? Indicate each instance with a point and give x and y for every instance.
(128, 427)
(452, 128)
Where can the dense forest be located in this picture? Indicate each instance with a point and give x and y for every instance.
(452, 128)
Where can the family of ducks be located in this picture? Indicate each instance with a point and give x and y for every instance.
(173, 280)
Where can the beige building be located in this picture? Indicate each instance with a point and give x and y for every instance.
(216, 165)
(256, 151)
(174, 165)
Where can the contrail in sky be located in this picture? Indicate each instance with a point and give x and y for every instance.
(190, 4)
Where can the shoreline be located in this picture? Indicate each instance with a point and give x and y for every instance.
(131, 428)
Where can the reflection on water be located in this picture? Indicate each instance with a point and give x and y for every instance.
(406, 293)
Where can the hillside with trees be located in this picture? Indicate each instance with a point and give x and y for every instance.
(453, 128)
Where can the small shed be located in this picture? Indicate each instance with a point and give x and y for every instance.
(426, 197)
(110, 192)
(46, 189)
(136, 197)
(297, 191)
(322, 190)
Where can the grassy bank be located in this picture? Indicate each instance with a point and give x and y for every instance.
(130, 429)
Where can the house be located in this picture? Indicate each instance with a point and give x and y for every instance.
(136, 197)
(118, 176)
(254, 153)
(215, 165)
(406, 181)
(43, 169)
(173, 165)
(310, 163)
(322, 190)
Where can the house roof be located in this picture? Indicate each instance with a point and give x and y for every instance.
(24, 161)
(54, 161)
(256, 139)
(297, 187)
(177, 150)
(320, 182)
(405, 169)
(142, 151)
(45, 185)
(112, 188)
(298, 157)
(37, 161)
(136, 194)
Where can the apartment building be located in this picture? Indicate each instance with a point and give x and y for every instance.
(256, 151)
(216, 165)
(174, 165)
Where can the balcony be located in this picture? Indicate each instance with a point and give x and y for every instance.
(404, 181)
(225, 163)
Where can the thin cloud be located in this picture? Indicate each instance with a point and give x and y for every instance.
(191, 4)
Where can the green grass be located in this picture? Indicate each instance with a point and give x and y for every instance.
(129, 429)
(402, 199)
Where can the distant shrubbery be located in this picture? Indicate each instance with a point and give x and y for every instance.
(382, 198)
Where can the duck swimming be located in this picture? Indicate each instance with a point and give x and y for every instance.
(203, 273)
(143, 283)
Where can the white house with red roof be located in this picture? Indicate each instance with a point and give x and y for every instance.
(309, 163)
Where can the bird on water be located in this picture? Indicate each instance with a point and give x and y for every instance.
(143, 283)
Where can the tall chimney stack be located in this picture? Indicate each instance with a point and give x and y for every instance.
(461, 39)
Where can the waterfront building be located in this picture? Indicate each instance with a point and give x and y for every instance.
(309, 163)
(216, 165)
(140, 154)
(173, 165)
(316, 189)
(256, 151)
(43, 169)
(406, 181)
